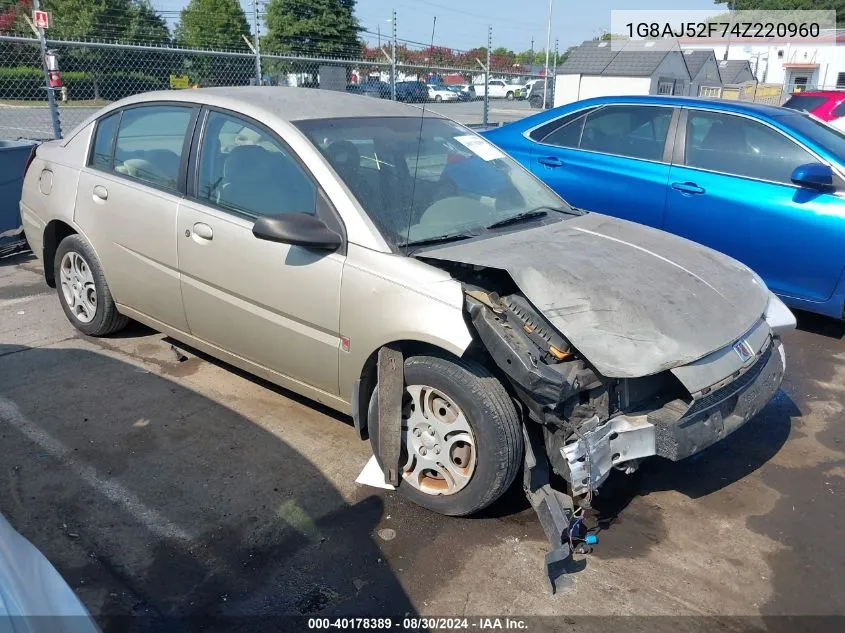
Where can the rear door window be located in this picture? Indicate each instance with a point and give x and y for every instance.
(627, 130)
(101, 153)
(149, 144)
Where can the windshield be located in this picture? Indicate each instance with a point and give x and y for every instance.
(421, 179)
(804, 103)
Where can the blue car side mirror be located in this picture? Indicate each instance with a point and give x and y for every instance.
(813, 176)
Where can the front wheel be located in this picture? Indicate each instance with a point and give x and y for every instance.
(461, 443)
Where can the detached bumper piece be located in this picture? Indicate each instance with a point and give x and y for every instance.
(676, 430)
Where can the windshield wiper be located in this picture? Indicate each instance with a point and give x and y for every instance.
(439, 239)
(519, 217)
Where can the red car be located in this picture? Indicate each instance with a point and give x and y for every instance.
(824, 104)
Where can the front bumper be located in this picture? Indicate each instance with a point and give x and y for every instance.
(677, 430)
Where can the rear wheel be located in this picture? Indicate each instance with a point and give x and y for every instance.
(438, 98)
(461, 435)
(535, 102)
(509, 96)
(82, 289)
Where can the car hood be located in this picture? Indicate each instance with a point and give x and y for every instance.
(633, 300)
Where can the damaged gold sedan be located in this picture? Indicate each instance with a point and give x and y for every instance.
(394, 265)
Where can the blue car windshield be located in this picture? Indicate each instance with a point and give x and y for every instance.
(423, 179)
(819, 132)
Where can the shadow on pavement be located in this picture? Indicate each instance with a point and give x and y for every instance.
(726, 462)
(820, 324)
(156, 502)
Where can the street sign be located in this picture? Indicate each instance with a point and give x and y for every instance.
(179, 82)
(41, 19)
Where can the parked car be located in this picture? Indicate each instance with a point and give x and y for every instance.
(499, 89)
(377, 89)
(469, 91)
(440, 92)
(403, 270)
(458, 90)
(411, 91)
(760, 183)
(826, 105)
(535, 97)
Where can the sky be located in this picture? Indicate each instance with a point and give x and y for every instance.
(462, 24)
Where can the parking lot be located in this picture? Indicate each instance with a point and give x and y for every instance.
(165, 488)
(24, 121)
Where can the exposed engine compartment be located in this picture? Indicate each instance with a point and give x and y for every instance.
(558, 388)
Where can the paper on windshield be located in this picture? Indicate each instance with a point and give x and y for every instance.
(478, 146)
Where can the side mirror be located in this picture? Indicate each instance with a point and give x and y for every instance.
(813, 176)
(297, 229)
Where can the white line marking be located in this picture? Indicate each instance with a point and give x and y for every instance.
(113, 491)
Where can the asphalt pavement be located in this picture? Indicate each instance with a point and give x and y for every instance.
(165, 488)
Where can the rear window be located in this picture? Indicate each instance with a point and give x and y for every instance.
(804, 103)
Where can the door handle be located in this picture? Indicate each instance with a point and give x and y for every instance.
(550, 161)
(101, 192)
(687, 187)
(202, 230)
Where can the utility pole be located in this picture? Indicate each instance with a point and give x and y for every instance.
(487, 76)
(393, 59)
(378, 28)
(554, 72)
(256, 42)
(548, 46)
(51, 96)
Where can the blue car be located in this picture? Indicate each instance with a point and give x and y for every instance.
(763, 184)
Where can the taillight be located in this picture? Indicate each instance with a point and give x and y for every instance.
(29, 160)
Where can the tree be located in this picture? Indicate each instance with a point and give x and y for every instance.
(88, 19)
(789, 5)
(11, 16)
(326, 28)
(146, 25)
(525, 58)
(217, 24)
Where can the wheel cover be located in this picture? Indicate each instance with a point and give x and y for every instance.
(78, 287)
(439, 450)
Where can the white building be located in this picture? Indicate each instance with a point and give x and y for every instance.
(594, 70)
(796, 66)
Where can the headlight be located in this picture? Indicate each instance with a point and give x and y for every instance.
(778, 316)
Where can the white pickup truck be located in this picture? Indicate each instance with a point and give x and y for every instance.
(499, 89)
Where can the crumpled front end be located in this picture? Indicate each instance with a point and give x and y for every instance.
(591, 424)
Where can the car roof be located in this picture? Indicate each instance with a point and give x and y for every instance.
(281, 103)
(746, 107)
(289, 104)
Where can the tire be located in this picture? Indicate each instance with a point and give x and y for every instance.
(509, 96)
(492, 417)
(535, 102)
(83, 269)
(438, 98)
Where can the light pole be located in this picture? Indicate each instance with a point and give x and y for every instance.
(548, 46)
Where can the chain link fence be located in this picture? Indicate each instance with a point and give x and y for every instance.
(97, 73)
